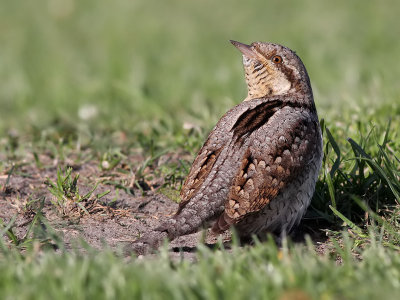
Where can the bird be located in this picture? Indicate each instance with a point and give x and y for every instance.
(258, 167)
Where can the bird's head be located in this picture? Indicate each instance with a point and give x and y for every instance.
(272, 70)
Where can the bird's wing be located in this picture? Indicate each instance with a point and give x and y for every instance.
(275, 156)
(244, 118)
(200, 169)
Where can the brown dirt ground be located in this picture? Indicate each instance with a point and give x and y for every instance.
(130, 216)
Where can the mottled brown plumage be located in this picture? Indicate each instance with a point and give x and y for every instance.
(258, 167)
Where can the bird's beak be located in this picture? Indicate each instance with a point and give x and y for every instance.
(245, 49)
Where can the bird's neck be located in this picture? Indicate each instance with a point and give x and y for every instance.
(259, 86)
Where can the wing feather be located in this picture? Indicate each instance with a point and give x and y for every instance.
(267, 167)
(248, 119)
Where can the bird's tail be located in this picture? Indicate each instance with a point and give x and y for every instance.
(147, 243)
(152, 240)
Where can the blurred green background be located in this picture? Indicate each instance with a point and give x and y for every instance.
(109, 79)
(103, 66)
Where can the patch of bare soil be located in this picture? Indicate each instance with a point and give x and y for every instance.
(116, 220)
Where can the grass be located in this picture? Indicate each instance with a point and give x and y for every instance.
(86, 82)
(66, 194)
(259, 272)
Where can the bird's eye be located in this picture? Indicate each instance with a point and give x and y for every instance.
(277, 59)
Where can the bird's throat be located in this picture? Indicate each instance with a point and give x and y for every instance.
(262, 82)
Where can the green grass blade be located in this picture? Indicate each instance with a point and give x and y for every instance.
(331, 188)
(380, 220)
(349, 223)
(336, 148)
(374, 166)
